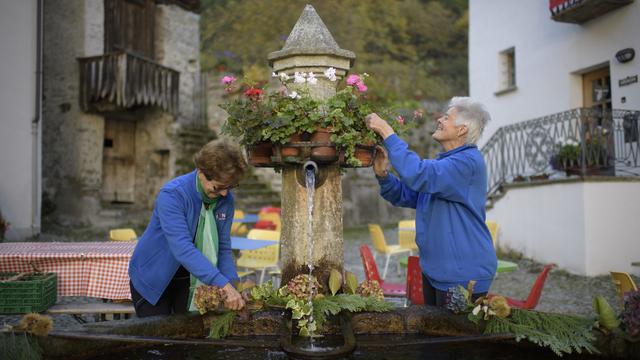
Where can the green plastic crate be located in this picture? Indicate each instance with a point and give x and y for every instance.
(33, 293)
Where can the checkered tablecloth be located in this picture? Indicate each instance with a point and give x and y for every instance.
(95, 269)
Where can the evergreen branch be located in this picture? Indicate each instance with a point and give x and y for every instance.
(561, 333)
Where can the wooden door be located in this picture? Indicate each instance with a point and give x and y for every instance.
(118, 161)
(596, 89)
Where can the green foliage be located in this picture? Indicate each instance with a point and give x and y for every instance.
(333, 305)
(221, 325)
(416, 49)
(561, 333)
(607, 318)
(335, 281)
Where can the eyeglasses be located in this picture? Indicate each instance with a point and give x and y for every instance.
(220, 188)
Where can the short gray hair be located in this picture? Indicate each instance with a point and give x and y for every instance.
(472, 114)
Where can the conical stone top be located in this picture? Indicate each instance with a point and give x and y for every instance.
(310, 36)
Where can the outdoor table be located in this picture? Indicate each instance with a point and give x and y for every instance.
(247, 219)
(242, 243)
(503, 265)
(94, 269)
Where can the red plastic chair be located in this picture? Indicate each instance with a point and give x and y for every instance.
(371, 273)
(265, 225)
(531, 301)
(268, 209)
(414, 281)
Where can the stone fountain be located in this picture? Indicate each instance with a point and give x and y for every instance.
(309, 48)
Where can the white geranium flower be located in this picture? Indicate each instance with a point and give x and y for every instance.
(330, 74)
(294, 95)
(283, 76)
(299, 77)
(311, 78)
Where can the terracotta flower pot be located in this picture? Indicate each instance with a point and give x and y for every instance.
(324, 154)
(289, 151)
(260, 154)
(365, 154)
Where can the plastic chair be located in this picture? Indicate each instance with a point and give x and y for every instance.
(238, 228)
(273, 217)
(414, 281)
(623, 282)
(122, 235)
(262, 259)
(265, 225)
(268, 209)
(407, 235)
(531, 301)
(380, 245)
(493, 229)
(371, 273)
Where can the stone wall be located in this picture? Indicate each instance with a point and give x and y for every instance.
(178, 47)
(72, 140)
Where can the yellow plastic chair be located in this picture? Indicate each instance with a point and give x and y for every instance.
(238, 228)
(262, 259)
(273, 217)
(380, 245)
(493, 229)
(623, 282)
(407, 235)
(122, 235)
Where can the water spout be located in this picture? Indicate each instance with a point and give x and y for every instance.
(311, 166)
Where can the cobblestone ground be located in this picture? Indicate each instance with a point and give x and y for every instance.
(563, 292)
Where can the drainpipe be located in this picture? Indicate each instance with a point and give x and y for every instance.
(36, 130)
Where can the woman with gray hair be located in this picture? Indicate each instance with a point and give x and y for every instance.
(449, 194)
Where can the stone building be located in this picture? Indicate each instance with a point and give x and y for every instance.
(122, 102)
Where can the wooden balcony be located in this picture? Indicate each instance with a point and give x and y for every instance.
(121, 81)
(580, 11)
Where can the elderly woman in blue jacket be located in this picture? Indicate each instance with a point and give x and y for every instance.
(449, 195)
(189, 209)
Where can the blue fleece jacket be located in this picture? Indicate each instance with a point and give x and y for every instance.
(168, 241)
(449, 195)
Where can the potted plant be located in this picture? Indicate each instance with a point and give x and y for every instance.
(290, 115)
(568, 156)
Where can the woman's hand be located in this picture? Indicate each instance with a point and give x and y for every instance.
(378, 125)
(233, 300)
(381, 162)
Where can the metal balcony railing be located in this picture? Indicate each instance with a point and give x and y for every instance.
(120, 80)
(580, 141)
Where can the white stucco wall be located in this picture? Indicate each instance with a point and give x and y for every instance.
(587, 228)
(19, 147)
(550, 57)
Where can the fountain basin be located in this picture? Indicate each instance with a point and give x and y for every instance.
(414, 327)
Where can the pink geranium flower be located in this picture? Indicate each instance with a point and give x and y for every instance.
(361, 86)
(353, 79)
(400, 119)
(227, 80)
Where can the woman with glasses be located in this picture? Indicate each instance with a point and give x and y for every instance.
(191, 211)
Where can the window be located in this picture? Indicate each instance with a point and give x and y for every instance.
(507, 71)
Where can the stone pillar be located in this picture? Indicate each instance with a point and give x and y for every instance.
(311, 48)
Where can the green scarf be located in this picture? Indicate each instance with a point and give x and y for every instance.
(206, 238)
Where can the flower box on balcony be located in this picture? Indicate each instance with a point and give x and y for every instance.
(580, 11)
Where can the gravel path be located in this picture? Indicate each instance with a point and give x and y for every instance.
(563, 292)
